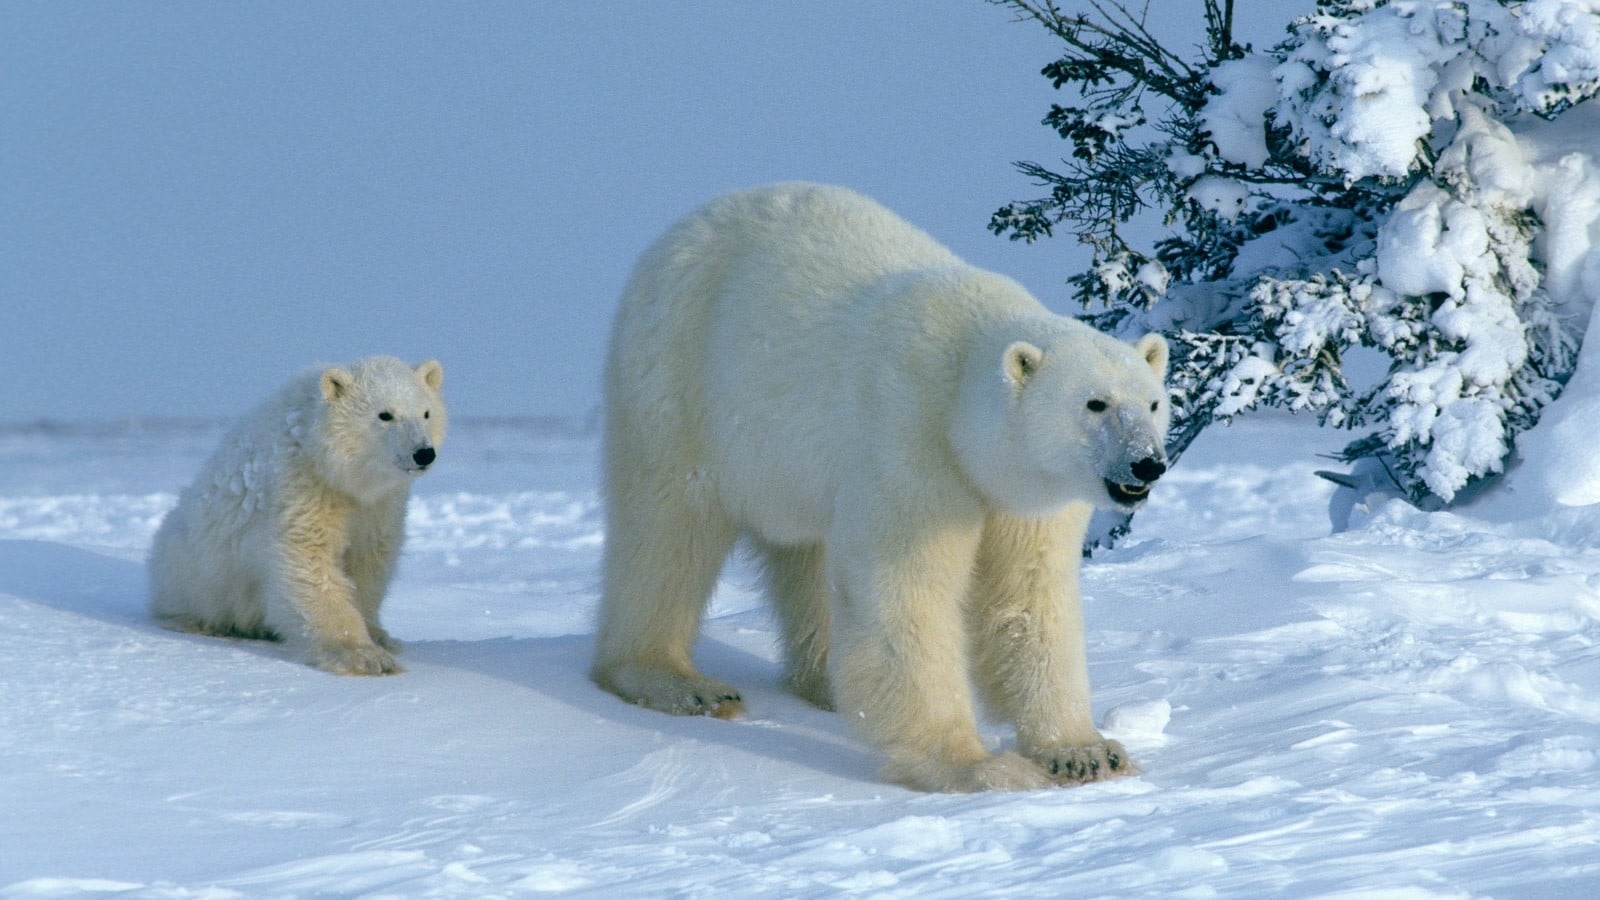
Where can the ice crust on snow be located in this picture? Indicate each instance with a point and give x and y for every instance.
(1145, 721)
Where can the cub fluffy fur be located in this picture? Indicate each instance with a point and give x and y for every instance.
(292, 529)
(913, 445)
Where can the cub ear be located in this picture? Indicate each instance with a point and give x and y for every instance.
(335, 384)
(432, 374)
(1153, 347)
(1021, 360)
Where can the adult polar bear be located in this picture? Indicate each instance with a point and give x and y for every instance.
(917, 439)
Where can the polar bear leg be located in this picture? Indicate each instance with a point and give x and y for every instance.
(178, 579)
(665, 546)
(198, 585)
(310, 606)
(310, 600)
(370, 562)
(1027, 625)
(899, 664)
(797, 585)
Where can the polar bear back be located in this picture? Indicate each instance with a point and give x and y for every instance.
(250, 462)
(770, 331)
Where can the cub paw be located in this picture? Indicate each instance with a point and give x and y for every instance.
(1100, 761)
(368, 659)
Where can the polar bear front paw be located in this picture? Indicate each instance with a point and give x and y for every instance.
(1100, 761)
(672, 692)
(360, 659)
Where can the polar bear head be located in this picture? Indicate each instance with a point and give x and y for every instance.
(1058, 412)
(383, 423)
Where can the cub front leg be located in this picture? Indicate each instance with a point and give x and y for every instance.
(1032, 664)
(376, 535)
(311, 600)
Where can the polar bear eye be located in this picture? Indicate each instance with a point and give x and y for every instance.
(426, 414)
(1097, 406)
(1154, 405)
(386, 416)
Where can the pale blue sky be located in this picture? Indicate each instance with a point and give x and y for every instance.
(201, 198)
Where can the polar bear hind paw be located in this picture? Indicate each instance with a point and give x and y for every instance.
(383, 639)
(1100, 761)
(368, 659)
(813, 688)
(1001, 772)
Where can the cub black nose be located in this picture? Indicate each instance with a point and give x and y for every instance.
(1149, 469)
(424, 458)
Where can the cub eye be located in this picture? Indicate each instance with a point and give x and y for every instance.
(1097, 406)
(386, 416)
(425, 413)
(1154, 405)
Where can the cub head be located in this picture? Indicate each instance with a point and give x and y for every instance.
(1064, 415)
(385, 420)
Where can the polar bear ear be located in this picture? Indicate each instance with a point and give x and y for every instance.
(335, 384)
(432, 374)
(1021, 360)
(1153, 347)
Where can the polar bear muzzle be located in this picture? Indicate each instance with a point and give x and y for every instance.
(416, 461)
(1147, 470)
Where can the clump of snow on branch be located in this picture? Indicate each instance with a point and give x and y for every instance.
(1407, 176)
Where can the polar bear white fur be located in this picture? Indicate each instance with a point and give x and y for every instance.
(913, 445)
(292, 529)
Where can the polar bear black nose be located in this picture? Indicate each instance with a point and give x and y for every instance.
(1149, 469)
(423, 457)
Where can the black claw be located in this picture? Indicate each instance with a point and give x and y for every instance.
(700, 700)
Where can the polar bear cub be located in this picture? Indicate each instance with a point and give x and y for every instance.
(292, 529)
(911, 444)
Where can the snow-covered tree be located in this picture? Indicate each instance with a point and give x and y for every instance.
(1414, 177)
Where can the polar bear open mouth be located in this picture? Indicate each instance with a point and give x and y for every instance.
(1127, 494)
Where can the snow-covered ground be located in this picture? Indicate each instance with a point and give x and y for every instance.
(1410, 708)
